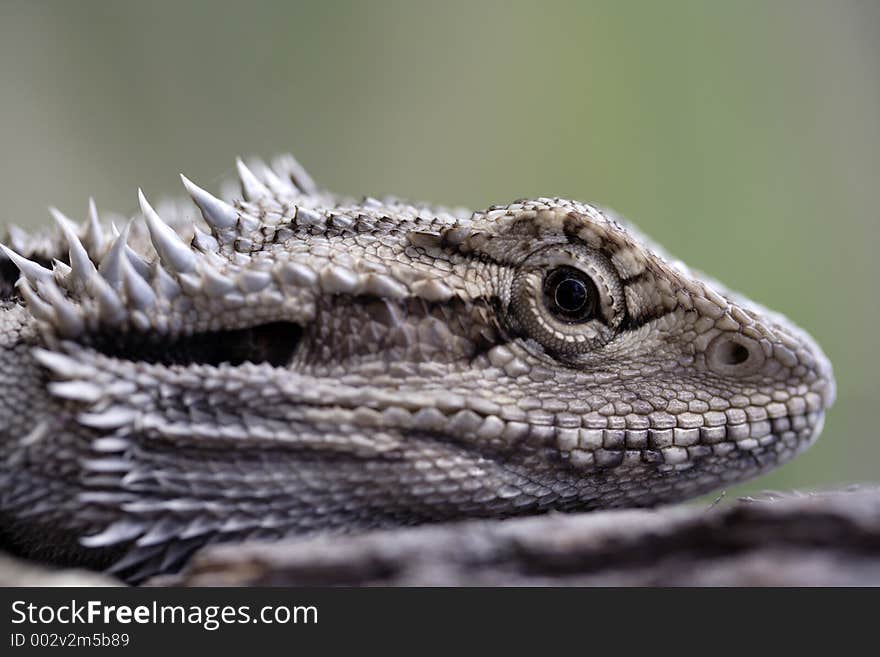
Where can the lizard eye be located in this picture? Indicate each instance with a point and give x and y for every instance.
(568, 298)
(570, 294)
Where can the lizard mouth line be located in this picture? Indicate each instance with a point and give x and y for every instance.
(681, 448)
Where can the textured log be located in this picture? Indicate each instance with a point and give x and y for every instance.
(16, 572)
(830, 538)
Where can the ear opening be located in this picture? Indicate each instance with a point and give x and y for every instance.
(274, 343)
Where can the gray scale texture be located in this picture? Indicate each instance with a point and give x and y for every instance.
(295, 362)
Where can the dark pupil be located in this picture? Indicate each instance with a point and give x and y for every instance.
(570, 295)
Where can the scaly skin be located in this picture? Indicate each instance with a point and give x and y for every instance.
(297, 362)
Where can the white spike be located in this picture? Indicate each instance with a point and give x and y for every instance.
(277, 185)
(118, 532)
(216, 284)
(111, 308)
(191, 284)
(164, 283)
(204, 242)
(94, 237)
(108, 444)
(110, 418)
(217, 213)
(18, 237)
(287, 166)
(61, 270)
(63, 220)
(111, 264)
(171, 249)
(141, 266)
(38, 308)
(80, 262)
(250, 184)
(62, 365)
(138, 290)
(160, 532)
(76, 390)
(68, 318)
(28, 268)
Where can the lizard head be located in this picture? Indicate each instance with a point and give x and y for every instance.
(632, 364)
(292, 361)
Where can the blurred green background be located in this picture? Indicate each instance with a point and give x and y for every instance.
(744, 136)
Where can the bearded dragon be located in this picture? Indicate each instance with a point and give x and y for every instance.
(279, 360)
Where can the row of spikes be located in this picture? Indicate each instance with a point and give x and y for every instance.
(284, 180)
(119, 269)
(117, 287)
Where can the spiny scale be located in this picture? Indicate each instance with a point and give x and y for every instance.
(218, 214)
(114, 277)
(176, 255)
(251, 186)
(114, 285)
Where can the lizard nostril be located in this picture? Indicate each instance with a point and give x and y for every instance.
(734, 354)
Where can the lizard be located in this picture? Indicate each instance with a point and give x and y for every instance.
(278, 360)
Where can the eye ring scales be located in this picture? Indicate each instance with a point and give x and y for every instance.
(568, 298)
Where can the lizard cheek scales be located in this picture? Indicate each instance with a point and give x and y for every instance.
(299, 362)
